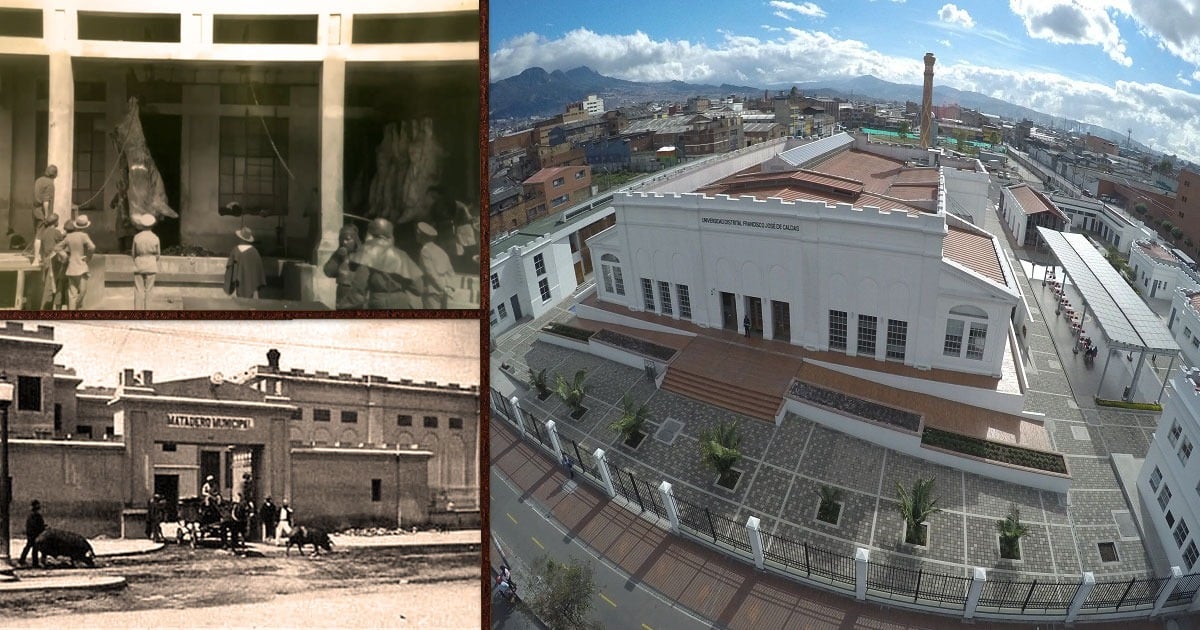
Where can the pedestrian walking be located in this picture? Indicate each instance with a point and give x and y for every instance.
(146, 251)
(78, 249)
(568, 465)
(34, 526)
(269, 512)
(54, 283)
(284, 527)
(244, 272)
(746, 325)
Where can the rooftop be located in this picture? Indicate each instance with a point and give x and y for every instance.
(548, 174)
(974, 251)
(1156, 251)
(1033, 202)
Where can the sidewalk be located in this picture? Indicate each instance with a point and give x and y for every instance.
(729, 592)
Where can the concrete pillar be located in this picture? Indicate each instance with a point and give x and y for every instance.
(668, 500)
(861, 558)
(61, 131)
(1085, 589)
(605, 475)
(332, 150)
(1168, 588)
(9, 203)
(518, 417)
(555, 443)
(977, 582)
(756, 544)
(1137, 373)
(768, 320)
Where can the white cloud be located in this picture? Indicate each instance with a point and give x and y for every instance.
(953, 15)
(1182, 79)
(1085, 22)
(944, 42)
(807, 9)
(1163, 117)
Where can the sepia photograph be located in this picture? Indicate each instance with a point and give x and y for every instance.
(239, 155)
(305, 473)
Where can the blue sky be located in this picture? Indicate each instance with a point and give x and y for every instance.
(1118, 63)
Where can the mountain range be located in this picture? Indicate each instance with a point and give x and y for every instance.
(536, 93)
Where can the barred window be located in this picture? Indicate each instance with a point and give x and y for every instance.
(648, 294)
(403, 420)
(431, 422)
(321, 415)
(664, 296)
(1164, 496)
(1180, 532)
(897, 339)
(502, 310)
(1156, 479)
(1176, 430)
(866, 334)
(249, 170)
(952, 347)
(539, 264)
(837, 330)
(1185, 451)
(976, 340)
(455, 423)
(544, 289)
(350, 417)
(495, 281)
(1190, 554)
(685, 301)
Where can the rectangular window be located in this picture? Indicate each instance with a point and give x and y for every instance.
(321, 415)
(1187, 332)
(1164, 496)
(1156, 479)
(83, 430)
(403, 420)
(250, 173)
(169, 447)
(1196, 342)
(837, 330)
(431, 422)
(664, 297)
(618, 281)
(560, 200)
(685, 301)
(495, 281)
(492, 317)
(1170, 519)
(502, 311)
(952, 346)
(1190, 554)
(29, 393)
(976, 340)
(648, 294)
(579, 174)
(1180, 532)
(376, 490)
(558, 182)
(544, 289)
(1173, 435)
(539, 264)
(298, 413)
(455, 423)
(897, 339)
(1185, 450)
(866, 334)
(350, 417)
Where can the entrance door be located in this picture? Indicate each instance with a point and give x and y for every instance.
(516, 308)
(729, 320)
(754, 310)
(164, 138)
(168, 487)
(781, 320)
(210, 464)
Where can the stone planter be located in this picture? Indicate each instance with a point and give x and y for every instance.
(578, 413)
(734, 474)
(634, 441)
(1020, 550)
(841, 509)
(904, 536)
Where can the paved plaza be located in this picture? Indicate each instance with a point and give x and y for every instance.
(784, 466)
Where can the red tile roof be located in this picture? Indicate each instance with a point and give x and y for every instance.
(1033, 203)
(1156, 251)
(973, 251)
(548, 174)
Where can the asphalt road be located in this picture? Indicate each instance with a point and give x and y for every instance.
(522, 531)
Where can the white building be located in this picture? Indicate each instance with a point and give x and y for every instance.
(1023, 209)
(1159, 270)
(593, 105)
(854, 252)
(1169, 482)
(1184, 323)
(1110, 224)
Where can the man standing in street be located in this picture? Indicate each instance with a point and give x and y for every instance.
(43, 198)
(146, 252)
(270, 517)
(54, 284)
(78, 248)
(34, 526)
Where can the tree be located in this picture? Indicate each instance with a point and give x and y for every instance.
(1166, 166)
(905, 129)
(538, 380)
(562, 598)
(830, 505)
(1012, 530)
(572, 392)
(629, 425)
(1139, 208)
(916, 507)
(1176, 231)
(1166, 225)
(719, 448)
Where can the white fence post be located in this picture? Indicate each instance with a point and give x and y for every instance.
(755, 537)
(668, 499)
(605, 475)
(977, 582)
(1085, 589)
(861, 558)
(552, 427)
(518, 417)
(1169, 588)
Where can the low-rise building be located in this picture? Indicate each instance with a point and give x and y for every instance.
(1168, 485)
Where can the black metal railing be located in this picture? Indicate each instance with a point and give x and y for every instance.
(1027, 596)
(1132, 593)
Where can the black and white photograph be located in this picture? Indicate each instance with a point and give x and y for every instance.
(286, 473)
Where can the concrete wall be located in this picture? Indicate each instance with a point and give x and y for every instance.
(333, 489)
(79, 484)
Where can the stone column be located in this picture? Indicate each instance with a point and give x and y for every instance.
(977, 582)
(756, 544)
(555, 443)
(61, 131)
(518, 417)
(861, 558)
(332, 149)
(668, 499)
(9, 203)
(1167, 590)
(1085, 589)
(605, 475)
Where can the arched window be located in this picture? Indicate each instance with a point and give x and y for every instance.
(971, 321)
(610, 268)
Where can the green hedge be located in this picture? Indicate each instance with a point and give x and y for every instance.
(995, 451)
(1121, 404)
(582, 334)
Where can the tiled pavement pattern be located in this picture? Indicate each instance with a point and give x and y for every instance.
(785, 466)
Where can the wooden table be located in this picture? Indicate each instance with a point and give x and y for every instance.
(18, 264)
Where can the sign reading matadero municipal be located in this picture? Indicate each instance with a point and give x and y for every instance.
(209, 422)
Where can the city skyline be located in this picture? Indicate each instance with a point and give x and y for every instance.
(1114, 64)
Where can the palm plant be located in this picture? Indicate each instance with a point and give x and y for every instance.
(572, 392)
(830, 505)
(1012, 530)
(633, 417)
(539, 382)
(719, 449)
(916, 507)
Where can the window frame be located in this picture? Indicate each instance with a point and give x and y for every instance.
(648, 295)
(544, 289)
(839, 329)
(899, 333)
(664, 297)
(685, 301)
(864, 345)
(318, 413)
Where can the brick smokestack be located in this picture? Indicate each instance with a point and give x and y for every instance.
(927, 104)
(273, 359)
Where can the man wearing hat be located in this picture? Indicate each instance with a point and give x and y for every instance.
(244, 274)
(209, 492)
(43, 198)
(54, 284)
(439, 272)
(146, 251)
(34, 526)
(78, 249)
(393, 277)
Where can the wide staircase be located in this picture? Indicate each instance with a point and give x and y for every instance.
(731, 376)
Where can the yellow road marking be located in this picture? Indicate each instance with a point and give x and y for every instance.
(538, 543)
(610, 602)
(510, 517)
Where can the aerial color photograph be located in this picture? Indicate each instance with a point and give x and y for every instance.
(860, 314)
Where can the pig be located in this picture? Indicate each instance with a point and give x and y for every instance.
(62, 543)
(308, 536)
